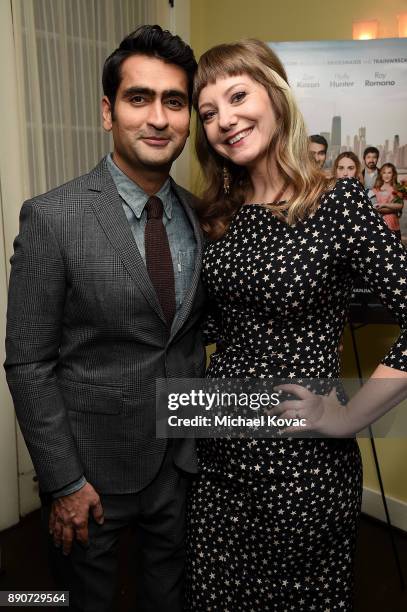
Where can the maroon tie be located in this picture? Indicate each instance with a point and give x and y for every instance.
(158, 258)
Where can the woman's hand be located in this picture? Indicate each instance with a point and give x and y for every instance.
(322, 414)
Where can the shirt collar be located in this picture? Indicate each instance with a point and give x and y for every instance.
(134, 196)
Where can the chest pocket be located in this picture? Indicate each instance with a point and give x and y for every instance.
(184, 270)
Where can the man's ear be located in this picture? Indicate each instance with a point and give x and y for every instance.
(107, 114)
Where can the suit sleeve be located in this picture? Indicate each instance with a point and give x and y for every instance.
(376, 254)
(34, 326)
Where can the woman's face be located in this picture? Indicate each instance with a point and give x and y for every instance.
(346, 168)
(238, 119)
(387, 175)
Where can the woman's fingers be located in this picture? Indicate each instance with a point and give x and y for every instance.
(288, 405)
(297, 390)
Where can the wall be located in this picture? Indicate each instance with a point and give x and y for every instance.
(216, 21)
(213, 22)
(8, 450)
(10, 197)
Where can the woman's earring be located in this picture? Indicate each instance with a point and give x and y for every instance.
(226, 181)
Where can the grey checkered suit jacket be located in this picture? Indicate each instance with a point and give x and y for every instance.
(86, 339)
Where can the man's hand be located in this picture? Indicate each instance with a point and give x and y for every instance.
(70, 514)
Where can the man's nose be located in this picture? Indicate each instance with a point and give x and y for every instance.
(158, 116)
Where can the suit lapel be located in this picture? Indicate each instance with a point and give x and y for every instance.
(184, 311)
(108, 209)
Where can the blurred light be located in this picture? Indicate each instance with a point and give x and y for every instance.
(365, 30)
(402, 21)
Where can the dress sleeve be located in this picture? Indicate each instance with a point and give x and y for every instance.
(377, 255)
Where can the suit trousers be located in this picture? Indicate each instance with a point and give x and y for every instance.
(156, 515)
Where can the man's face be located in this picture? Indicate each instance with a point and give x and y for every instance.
(150, 122)
(371, 160)
(318, 152)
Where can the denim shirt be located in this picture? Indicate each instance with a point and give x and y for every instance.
(180, 233)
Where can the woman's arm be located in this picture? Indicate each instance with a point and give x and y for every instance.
(386, 388)
(391, 207)
(324, 415)
(373, 252)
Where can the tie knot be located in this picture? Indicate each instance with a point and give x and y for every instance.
(154, 208)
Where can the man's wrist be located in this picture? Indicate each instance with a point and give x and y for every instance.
(70, 488)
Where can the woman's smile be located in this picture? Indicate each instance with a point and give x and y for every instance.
(239, 137)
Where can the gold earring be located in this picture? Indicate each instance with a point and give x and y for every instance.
(226, 180)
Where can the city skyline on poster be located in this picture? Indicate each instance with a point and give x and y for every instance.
(353, 93)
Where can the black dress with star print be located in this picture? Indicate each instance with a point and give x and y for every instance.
(272, 522)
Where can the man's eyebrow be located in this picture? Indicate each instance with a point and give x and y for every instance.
(151, 93)
(176, 93)
(133, 91)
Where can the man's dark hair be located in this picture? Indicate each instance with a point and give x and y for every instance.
(153, 41)
(319, 140)
(371, 150)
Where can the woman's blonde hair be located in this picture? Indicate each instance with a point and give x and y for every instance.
(289, 143)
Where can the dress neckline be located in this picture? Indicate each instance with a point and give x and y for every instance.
(264, 205)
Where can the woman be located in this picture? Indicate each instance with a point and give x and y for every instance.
(272, 522)
(347, 165)
(383, 195)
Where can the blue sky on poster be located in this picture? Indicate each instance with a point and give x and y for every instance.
(364, 82)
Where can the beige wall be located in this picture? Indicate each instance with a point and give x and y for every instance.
(8, 449)
(373, 343)
(216, 21)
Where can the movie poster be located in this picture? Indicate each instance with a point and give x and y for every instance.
(354, 93)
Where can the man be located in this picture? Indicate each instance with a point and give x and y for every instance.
(370, 171)
(104, 299)
(318, 147)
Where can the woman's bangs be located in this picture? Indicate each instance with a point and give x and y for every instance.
(216, 64)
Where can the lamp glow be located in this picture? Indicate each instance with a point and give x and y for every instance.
(402, 23)
(365, 30)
